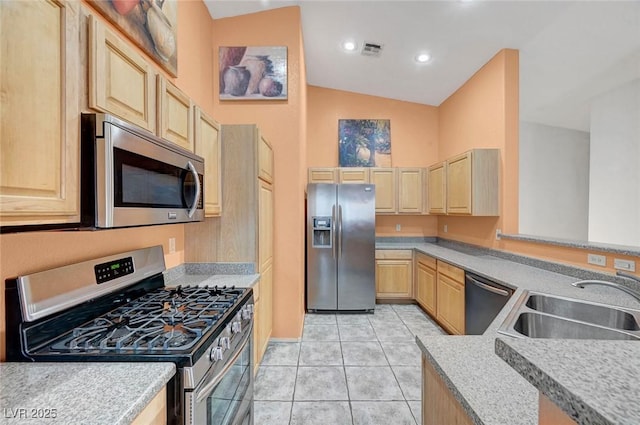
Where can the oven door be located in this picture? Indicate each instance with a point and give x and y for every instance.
(142, 181)
(226, 398)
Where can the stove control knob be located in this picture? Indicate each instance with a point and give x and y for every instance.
(216, 354)
(247, 312)
(236, 327)
(225, 343)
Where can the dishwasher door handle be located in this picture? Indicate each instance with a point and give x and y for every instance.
(489, 287)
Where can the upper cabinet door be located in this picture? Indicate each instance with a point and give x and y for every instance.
(437, 181)
(321, 175)
(121, 82)
(207, 145)
(175, 114)
(40, 112)
(410, 190)
(265, 160)
(459, 184)
(385, 180)
(353, 175)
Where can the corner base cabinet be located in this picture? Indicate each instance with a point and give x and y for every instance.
(426, 278)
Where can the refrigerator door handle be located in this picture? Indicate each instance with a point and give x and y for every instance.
(339, 231)
(333, 230)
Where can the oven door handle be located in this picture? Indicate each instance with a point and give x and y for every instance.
(196, 198)
(206, 390)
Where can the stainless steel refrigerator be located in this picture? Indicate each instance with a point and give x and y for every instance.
(341, 235)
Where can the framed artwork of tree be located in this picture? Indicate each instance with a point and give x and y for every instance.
(364, 143)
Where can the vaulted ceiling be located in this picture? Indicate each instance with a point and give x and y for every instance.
(570, 51)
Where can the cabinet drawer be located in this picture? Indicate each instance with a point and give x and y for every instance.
(394, 254)
(426, 260)
(451, 271)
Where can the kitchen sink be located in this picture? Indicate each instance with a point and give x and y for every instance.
(538, 315)
(586, 312)
(535, 325)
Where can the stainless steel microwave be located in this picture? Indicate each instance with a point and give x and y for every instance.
(130, 177)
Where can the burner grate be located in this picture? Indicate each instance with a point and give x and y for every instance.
(168, 319)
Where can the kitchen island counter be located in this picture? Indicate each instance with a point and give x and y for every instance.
(79, 393)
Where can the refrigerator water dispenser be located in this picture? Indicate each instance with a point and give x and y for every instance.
(322, 232)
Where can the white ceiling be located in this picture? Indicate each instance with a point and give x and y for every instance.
(570, 51)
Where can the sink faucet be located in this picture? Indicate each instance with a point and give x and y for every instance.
(583, 283)
(628, 276)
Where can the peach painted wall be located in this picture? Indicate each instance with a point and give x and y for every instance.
(483, 113)
(23, 253)
(282, 122)
(414, 141)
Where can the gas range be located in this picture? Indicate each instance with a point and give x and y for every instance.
(117, 308)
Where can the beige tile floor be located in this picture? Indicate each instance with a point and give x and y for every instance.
(351, 369)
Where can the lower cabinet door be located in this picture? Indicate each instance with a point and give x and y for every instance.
(393, 279)
(426, 281)
(450, 309)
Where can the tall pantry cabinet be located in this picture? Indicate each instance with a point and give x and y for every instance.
(246, 225)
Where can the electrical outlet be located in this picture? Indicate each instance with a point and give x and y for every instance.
(446, 229)
(598, 260)
(172, 245)
(398, 227)
(626, 265)
(498, 233)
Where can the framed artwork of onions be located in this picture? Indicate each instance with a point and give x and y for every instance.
(253, 72)
(151, 24)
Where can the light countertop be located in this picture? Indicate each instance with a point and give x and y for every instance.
(489, 389)
(78, 393)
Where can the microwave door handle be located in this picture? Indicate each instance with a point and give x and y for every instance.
(193, 171)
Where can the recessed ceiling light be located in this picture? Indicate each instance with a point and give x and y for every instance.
(423, 57)
(349, 45)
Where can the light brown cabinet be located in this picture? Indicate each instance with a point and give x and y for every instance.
(121, 81)
(175, 114)
(40, 118)
(450, 298)
(437, 193)
(347, 175)
(473, 183)
(551, 414)
(410, 190)
(322, 175)
(265, 159)
(394, 274)
(207, 145)
(425, 288)
(155, 413)
(439, 405)
(386, 181)
(245, 230)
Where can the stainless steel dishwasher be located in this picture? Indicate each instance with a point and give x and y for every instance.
(483, 301)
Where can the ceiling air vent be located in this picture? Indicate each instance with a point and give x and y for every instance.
(371, 49)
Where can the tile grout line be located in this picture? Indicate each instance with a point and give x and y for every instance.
(295, 381)
(344, 372)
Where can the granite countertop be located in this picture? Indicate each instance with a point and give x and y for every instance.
(79, 393)
(240, 275)
(594, 382)
(490, 390)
